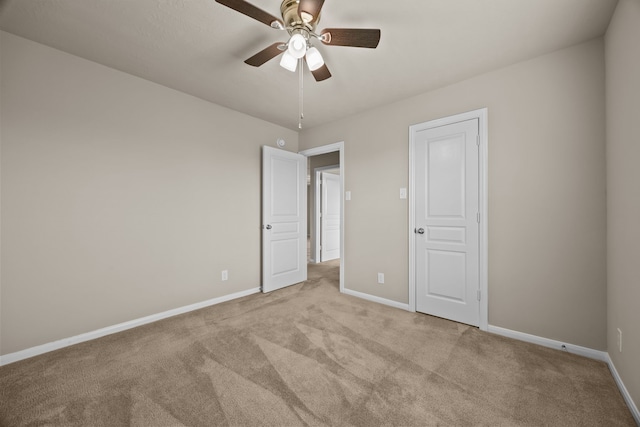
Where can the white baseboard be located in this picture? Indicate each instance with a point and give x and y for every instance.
(546, 342)
(379, 300)
(603, 356)
(625, 393)
(56, 345)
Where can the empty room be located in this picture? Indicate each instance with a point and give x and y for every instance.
(323, 213)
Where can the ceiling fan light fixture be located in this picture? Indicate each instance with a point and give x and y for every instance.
(297, 46)
(288, 62)
(314, 59)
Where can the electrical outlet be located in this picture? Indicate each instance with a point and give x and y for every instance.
(619, 340)
(381, 278)
(225, 275)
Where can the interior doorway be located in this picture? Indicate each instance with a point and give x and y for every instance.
(324, 209)
(325, 158)
(328, 215)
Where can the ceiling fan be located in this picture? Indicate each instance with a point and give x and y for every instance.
(299, 19)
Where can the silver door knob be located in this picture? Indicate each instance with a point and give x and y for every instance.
(268, 227)
(420, 230)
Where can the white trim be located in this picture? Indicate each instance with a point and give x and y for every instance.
(483, 121)
(623, 390)
(412, 223)
(324, 149)
(56, 345)
(482, 116)
(376, 299)
(546, 342)
(316, 258)
(330, 148)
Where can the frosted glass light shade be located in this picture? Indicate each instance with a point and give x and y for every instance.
(288, 62)
(297, 46)
(314, 59)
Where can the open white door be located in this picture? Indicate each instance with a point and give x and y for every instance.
(330, 217)
(284, 218)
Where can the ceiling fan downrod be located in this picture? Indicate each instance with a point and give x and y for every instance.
(300, 95)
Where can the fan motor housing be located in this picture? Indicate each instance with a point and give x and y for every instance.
(293, 21)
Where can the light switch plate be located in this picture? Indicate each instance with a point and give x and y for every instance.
(403, 193)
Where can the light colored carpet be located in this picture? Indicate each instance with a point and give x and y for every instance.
(308, 355)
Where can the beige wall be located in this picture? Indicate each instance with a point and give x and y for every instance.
(120, 198)
(547, 215)
(623, 191)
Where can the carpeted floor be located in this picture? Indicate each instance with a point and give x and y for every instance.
(308, 355)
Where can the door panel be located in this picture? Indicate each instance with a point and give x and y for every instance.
(330, 219)
(447, 207)
(446, 276)
(284, 222)
(446, 177)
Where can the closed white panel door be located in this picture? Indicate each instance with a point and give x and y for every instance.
(330, 217)
(446, 219)
(284, 218)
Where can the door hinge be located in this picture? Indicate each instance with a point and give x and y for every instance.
(478, 217)
(478, 140)
(479, 295)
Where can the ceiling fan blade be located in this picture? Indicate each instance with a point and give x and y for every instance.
(309, 10)
(354, 37)
(253, 12)
(321, 73)
(265, 55)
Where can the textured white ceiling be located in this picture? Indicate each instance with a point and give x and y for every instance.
(198, 46)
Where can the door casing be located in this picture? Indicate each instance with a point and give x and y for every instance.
(482, 116)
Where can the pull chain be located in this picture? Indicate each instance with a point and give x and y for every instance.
(301, 93)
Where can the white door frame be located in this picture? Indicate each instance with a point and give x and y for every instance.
(481, 115)
(330, 148)
(316, 210)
